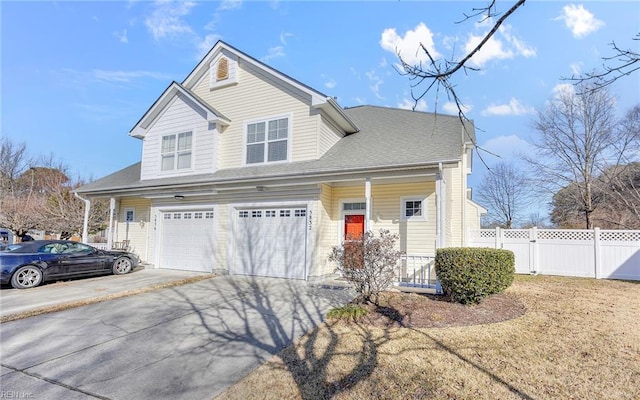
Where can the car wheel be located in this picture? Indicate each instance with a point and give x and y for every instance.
(26, 277)
(121, 266)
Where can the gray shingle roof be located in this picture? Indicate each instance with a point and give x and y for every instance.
(388, 138)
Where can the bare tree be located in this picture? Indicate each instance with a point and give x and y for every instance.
(41, 197)
(577, 142)
(505, 193)
(14, 160)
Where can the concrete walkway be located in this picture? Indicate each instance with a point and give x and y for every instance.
(186, 342)
(14, 301)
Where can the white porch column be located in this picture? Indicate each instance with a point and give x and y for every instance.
(85, 224)
(367, 200)
(440, 209)
(112, 208)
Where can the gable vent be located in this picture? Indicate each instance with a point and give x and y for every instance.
(222, 71)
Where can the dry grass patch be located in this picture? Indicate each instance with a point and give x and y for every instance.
(100, 299)
(579, 339)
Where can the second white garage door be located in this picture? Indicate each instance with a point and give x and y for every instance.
(270, 242)
(187, 240)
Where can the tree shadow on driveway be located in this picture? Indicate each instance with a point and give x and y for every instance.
(259, 318)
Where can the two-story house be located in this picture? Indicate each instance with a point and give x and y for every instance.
(245, 170)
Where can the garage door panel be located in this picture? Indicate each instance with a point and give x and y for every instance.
(271, 242)
(187, 240)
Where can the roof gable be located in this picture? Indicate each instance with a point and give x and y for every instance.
(175, 89)
(318, 100)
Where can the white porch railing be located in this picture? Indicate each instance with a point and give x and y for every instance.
(416, 271)
(99, 246)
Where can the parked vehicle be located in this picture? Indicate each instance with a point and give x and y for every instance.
(28, 264)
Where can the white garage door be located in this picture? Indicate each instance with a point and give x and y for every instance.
(271, 242)
(187, 240)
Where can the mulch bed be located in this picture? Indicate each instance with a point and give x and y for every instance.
(412, 310)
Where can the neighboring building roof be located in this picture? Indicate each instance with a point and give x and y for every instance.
(388, 138)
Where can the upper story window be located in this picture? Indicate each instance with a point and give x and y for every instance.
(267, 141)
(176, 151)
(413, 209)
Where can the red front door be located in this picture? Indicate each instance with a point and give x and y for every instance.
(353, 227)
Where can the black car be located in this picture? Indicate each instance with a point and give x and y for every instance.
(28, 264)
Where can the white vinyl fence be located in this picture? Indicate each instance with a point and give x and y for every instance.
(596, 253)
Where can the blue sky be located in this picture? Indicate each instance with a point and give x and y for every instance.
(76, 76)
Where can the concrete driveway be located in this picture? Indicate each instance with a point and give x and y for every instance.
(186, 342)
(14, 301)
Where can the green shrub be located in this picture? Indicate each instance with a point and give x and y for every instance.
(469, 274)
(350, 312)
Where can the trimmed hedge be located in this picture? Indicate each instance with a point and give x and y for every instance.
(469, 274)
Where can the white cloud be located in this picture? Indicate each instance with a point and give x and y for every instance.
(284, 36)
(230, 4)
(408, 46)
(376, 82)
(576, 68)
(273, 52)
(122, 36)
(507, 147)
(580, 21)
(450, 107)
(563, 89)
(206, 44)
(167, 19)
(127, 76)
(514, 107)
(329, 83)
(408, 104)
(502, 45)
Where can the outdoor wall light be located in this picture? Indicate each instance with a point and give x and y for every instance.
(178, 197)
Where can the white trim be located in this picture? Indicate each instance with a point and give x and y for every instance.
(423, 208)
(344, 212)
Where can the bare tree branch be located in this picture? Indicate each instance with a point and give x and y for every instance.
(623, 63)
(438, 73)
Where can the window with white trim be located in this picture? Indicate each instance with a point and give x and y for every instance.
(176, 151)
(267, 141)
(413, 208)
(129, 215)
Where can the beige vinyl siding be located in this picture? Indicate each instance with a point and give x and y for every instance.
(326, 233)
(179, 117)
(473, 216)
(455, 199)
(137, 233)
(329, 135)
(258, 96)
(416, 237)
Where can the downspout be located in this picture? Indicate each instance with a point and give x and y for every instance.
(85, 224)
